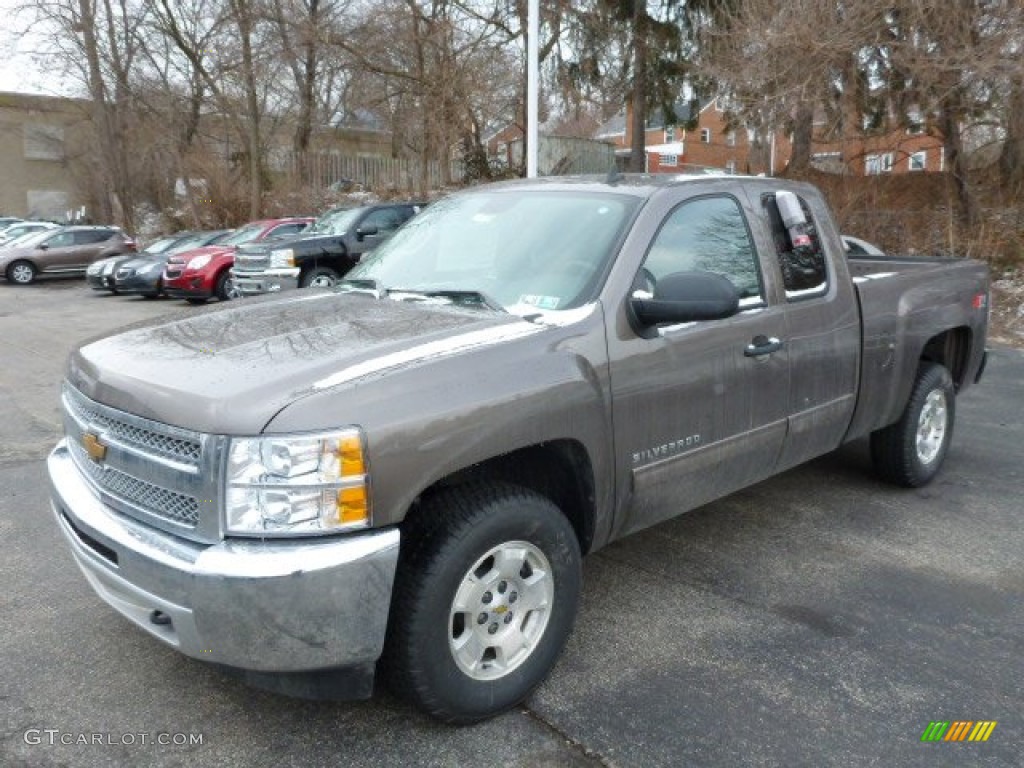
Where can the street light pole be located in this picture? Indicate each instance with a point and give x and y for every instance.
(532, 85)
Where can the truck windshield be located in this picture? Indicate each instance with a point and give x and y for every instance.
(336, 222)
(243, 235)
(524, 249)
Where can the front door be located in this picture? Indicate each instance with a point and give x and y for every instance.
(700, 409)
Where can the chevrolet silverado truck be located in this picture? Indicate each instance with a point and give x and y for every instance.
(322, 254)
(400, 476)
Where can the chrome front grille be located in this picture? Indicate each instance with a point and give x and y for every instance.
(161, 502)
(156, 473)
(252, 262)
(178, 447)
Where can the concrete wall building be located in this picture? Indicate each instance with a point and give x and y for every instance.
(39, 138)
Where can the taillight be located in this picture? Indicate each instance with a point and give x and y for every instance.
(980, 301)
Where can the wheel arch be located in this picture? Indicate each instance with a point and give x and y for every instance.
(560, 470)
(951, 349)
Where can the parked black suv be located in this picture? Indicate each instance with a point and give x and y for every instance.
(323, 253)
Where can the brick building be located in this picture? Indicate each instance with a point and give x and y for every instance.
(711, 144)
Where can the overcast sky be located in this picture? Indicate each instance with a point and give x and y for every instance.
(19, 71)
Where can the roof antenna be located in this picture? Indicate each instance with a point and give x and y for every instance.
(614, 175)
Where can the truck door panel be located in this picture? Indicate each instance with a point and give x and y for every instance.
(696, 414)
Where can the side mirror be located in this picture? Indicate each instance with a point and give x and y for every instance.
(43, 247)
(686, 297)
(367, 231)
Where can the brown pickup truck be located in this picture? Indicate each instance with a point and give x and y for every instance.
(401, 475)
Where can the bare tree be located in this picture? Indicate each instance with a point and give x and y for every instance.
(95, 41)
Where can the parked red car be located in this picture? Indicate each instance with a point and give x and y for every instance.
(202, 273)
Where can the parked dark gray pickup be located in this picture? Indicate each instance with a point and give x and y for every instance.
(322, 254)
(403, 474)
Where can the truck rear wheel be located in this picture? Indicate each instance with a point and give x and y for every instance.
(911, 451)
(319, 277)
(484, 600)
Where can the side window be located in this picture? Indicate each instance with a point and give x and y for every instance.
(61, 240)
(709, 234)
(798, 250)
(90, 236)
(384, 219)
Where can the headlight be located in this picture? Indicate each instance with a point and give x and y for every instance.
(297, 485)
(284, 257)
(199, 262)
(95, 268)
(108, 268)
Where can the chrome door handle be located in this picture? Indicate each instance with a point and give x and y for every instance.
(762, 345)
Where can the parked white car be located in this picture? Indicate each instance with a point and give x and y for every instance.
(14, 231)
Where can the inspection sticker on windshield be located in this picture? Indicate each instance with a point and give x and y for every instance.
(541, 302)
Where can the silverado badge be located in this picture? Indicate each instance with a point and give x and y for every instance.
(97, 451)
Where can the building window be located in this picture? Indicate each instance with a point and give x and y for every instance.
(878, 164)
(830, 162)
(919, 161)
(730, 139)
(730, 167)
(670, 134)
(43, 142)
(672, 160)
(705, 135)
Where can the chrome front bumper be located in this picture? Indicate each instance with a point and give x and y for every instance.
(266, 281)
(266, 606)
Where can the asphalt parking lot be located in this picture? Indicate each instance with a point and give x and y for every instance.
(817, 619)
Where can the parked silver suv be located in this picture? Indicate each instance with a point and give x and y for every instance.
(66, 251)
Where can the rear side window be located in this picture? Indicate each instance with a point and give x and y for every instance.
(709, 234)
(90, 236)
(798, 251)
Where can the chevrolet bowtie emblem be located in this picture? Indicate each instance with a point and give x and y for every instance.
(97, 451)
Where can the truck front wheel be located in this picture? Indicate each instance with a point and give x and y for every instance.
(319, 277)
(910, 452)
(485, 598)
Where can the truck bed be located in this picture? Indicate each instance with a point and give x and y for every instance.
(904, 303)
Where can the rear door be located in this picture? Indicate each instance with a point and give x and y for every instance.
(700, 408)
(91, 244)
(822, 329)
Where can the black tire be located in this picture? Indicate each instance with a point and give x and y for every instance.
(21, 272)
(911, 451)
(319, 277)
(449, 536)
(224, 288)
(156, 294)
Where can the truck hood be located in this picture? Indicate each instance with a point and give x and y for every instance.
(230, 370)
(299, 241)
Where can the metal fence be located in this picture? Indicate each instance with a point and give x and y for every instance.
(336, 171)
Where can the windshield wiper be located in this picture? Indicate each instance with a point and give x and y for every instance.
(468, 298)
(361, 285)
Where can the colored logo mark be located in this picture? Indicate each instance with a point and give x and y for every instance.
(958, 730)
